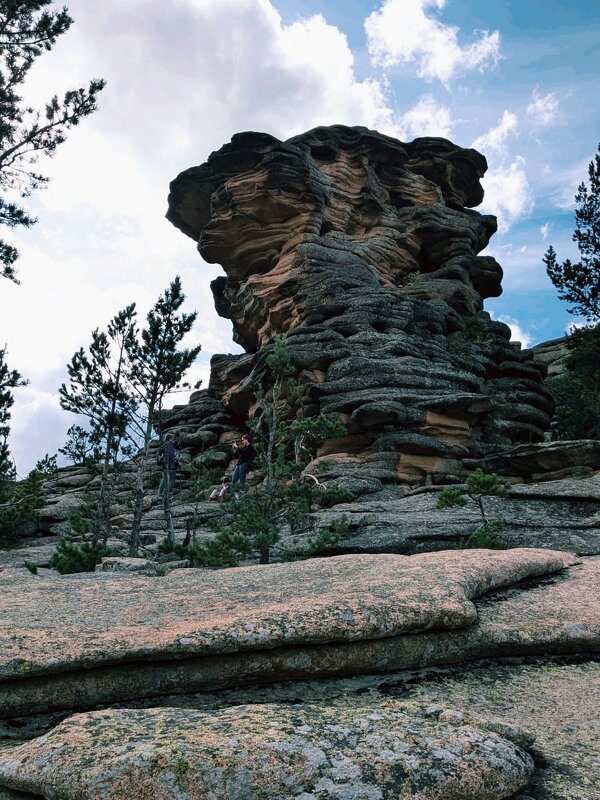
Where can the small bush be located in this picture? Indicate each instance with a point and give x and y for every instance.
(326, 538)
(483, 483)
(332, 495)
(450, 498)
(478, 485)
(483, 539)
(71, 557)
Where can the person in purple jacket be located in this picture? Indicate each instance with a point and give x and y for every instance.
(245, 461)
(168, 460)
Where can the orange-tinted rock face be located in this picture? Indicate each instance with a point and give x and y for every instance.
(365, 252)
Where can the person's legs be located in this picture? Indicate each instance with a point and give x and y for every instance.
(236, 474)
(242, 472)
(171, 484)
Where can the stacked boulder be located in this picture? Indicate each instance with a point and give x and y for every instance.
(364, 252)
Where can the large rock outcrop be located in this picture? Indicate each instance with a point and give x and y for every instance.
(364, 251)
(108, 637)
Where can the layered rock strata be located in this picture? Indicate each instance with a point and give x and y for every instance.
(109, 637)
(364, 251)
(559, 515)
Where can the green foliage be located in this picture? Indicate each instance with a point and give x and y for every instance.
(450, 498)
(251, 526)
(202, 477)
(82, 520)
(482, 483)
(157, 368)
(9, 379)
(577, 390)
(31, 567)
(579, 283)
(479, 484)
(98, 389)
(307, 434)
(331, 496)
(80, 448)
(71, 557)
(27, 30)
(325, 539)
(20, 501)
(483, 539)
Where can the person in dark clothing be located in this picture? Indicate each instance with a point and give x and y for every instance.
(245, 461)
(168, 460)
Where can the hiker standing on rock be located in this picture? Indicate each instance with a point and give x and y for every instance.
(168, 461)
(245, 461)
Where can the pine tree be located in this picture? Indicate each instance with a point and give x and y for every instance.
(158, 368)
(27, 29)
(99, 390)
(21, 501)
(579, 283)
(9, 379)
(79, 447)
(286, 440)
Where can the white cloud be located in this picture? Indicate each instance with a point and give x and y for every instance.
(494, 140)
(543, 109)
(545, 230)
(426, 118)
(507, 194)
(181, 81)
(517, 332)
(403, 32)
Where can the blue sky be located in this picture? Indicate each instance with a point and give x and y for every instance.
(516, 79)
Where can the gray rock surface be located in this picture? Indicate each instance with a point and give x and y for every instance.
(365, 751)
(559, 515)
(307, 636)
(552, 354)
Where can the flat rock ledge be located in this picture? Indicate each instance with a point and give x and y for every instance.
(103, 639)
(369, 751)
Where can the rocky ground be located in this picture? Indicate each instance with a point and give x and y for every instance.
(399, 665)
(449, 733)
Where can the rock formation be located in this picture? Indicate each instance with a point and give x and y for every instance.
(110, 637)
(275, 753)
(364, 251)
(147, 644)
(331, 678)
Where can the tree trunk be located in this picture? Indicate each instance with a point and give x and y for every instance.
(138, 507)
(140, 491)
(169, 518)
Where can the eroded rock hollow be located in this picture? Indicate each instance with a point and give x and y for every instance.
(364, 251)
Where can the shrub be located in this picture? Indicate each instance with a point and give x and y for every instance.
(71, 557)
(479, 484)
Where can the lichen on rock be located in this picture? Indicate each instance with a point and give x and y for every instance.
(368, 751)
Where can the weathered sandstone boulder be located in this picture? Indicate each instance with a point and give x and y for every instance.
(365, 751)
(364, 251)
(553, 354)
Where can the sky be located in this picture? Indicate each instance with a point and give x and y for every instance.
(516, 80)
